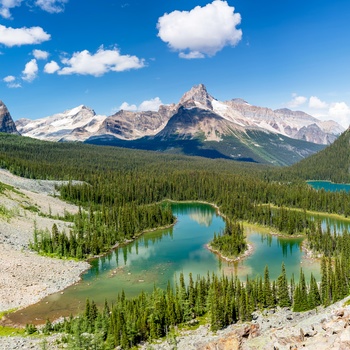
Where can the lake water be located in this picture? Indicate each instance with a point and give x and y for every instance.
(329, 186)
(160, 256)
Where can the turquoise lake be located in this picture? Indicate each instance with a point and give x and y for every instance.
(329, 186)
(160, 256)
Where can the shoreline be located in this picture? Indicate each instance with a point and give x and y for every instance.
(25, 276)
(249, 251)
(57, 274)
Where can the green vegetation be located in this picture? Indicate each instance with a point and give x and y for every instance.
(11, 331)
(122, 196)
(231, 243)
(331, 164)
(95, 232)
(6, 213)
(256, 146)
(220, 300)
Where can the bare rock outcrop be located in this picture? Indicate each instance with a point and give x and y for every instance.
(6, 122)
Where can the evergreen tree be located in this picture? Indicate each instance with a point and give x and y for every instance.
(282, 289)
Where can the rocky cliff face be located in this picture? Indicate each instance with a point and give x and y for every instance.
(197, 97)
(128, 125)
(6, 123)
(295, 124)
(221, 119)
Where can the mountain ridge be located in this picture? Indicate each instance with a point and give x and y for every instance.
(198, 124)
(133, 125)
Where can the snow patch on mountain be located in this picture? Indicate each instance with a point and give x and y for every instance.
(206, 115)
(76, 124)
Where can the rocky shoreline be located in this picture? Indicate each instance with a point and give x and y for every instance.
(321, 329)
(249, 251)
(26, 277)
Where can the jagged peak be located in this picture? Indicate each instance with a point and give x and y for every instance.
(3, 106)
(6, 122)
(79, 109)
(197, 95)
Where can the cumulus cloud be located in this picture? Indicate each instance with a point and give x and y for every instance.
(101, 62)
(51, 6)
(201, 32)
(340, 111)
(40, 55)
(51, 67)
(6, 5)
(10, 81)
(322, 110)
(30, 71)
(296, 101)
(316, 103)
(127, 107)
(22, 36)
(191, 55)
(148, 105)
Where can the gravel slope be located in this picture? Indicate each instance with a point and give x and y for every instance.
(26, 277)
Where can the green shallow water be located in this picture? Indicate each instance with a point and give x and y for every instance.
(160, 256)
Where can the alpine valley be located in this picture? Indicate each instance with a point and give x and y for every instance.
(197, 125)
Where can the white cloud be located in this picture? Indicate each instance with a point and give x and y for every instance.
(340, 111)
(126, 107)
(51, 67)
(6, 5)
(316, 103)
(14, 85)
(148, 105)
(323, 110)
(296, 101)
(40, 55)
(10, 81)
(51, 6)
(30, 71)
(99, 63)
(191, 55)
(201, 31)
(22, 36)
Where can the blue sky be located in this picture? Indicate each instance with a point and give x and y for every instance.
(108, 54)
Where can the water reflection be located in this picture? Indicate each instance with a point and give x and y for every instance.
(160, 256)
(202, 217)
(288, 246)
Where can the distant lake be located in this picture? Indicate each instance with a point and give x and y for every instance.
(329, 186)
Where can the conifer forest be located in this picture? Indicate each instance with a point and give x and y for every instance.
(122, 193)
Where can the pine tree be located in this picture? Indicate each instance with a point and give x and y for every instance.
(282, 289)
(268, 297)
(314, 294)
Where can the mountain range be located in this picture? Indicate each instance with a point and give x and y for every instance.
(198, 125)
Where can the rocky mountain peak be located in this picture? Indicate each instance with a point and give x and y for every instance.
(80, 111)
(6, 122)
(197, 97)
